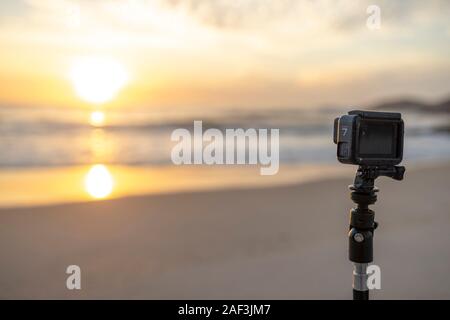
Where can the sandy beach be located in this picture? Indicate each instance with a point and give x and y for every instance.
(283, 242)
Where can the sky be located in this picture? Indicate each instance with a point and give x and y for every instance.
(235, 53)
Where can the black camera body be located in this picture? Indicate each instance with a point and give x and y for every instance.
(369, 138)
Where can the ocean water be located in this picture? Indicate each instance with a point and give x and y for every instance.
(53, 137)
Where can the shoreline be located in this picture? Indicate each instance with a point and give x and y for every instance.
(37, 187)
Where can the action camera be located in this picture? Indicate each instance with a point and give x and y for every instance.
(369, 138)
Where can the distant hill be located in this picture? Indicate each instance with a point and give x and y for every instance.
(414, 105)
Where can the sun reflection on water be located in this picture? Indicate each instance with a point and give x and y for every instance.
(97, 119)
(99, 182)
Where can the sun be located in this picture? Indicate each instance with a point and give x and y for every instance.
(97, 79)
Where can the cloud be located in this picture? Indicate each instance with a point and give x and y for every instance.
(293, 16)
(343, 14)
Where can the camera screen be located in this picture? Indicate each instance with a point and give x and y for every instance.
(377, 139)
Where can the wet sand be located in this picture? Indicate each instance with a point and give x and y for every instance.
(283, 242)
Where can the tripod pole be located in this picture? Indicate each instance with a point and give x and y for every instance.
(360, 289)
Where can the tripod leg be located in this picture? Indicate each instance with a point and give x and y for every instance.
(360, 289)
